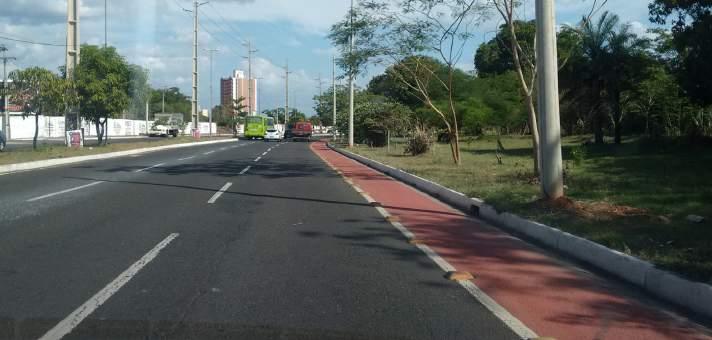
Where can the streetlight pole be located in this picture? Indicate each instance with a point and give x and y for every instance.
(210, 111)
(351, 80)
(333, 85)
(6, 114)
(286, 103)
(250, 87)
(552, 179)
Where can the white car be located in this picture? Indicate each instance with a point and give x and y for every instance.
(273, 134)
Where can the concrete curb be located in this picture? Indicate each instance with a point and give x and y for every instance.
(694, 296)
(10, 168)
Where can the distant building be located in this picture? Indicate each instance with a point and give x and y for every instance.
(236, 86)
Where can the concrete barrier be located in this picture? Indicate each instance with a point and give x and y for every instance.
(694, 296)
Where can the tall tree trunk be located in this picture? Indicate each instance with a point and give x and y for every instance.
(598, 128)
(99, 130)
(534, 131)
(617, 117)
(105, 128)
(37, 130)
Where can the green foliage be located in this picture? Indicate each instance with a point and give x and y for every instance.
(692, 39)
(578, 154)
(103, 83)
(494, 56)
(139, 91)
(41, 92)
(176, 102)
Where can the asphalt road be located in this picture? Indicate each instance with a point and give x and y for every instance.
(161, 246)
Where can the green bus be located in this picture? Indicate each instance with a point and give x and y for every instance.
(256, 126)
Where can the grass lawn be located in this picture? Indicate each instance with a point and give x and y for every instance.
(49, 151)
(632, 197)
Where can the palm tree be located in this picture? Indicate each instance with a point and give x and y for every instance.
(594, 41)
(610, 50)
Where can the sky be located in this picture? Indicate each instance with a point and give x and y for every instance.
(157, 34)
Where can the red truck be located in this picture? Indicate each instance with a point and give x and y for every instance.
(301, 130)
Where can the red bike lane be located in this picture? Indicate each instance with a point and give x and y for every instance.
(550, 297)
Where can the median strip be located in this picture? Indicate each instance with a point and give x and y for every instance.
(75, 318)
(64, 191)
(219, 193)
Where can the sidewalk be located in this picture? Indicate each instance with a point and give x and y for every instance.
(552, 298)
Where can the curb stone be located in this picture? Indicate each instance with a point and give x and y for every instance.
(10, 168)
(690, 295)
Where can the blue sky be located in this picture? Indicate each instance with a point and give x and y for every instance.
(157, 34)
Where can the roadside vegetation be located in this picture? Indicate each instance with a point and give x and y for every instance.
(635, 110)
(632, 197)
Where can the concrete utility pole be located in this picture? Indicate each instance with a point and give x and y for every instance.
(194, 97)
(250, 51)
(163, 100)
(210, 112)
(6, 114)
(147, 102)
(333, 86)
(106, 25)
(351, 80)
(73, 48)
(552, 179)
(286, 106)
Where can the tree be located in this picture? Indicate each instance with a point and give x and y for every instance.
(139, 91)
(398, 33)
(692, 38)
(296, 116)
(523, 59)
(175, 102)
(40, 92)
(610, 51)
(236, 113)
(102, 79)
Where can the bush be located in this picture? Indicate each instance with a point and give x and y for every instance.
(418, 144)
(578, 153)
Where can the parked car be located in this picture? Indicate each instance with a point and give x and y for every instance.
(272, 134)
(163, 131)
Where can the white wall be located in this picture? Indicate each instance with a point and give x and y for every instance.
(53, 127)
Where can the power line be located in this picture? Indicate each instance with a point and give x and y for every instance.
(27, 41)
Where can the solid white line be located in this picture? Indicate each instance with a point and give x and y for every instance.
(219, 193)
(209, 152)
(245, 170)
(187, 158)
(150, 167)
(258, 159)
(64, 191)
(65, 326)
